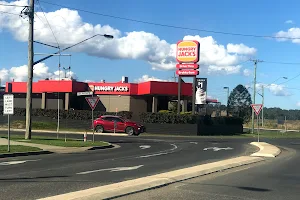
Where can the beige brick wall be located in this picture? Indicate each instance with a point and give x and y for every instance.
(113, 102)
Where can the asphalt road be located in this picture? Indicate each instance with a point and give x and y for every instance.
(47, 175)
(274, 179)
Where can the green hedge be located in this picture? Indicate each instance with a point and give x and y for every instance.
(172, 118)
(71, 114)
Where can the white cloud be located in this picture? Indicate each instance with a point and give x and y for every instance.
(146, 78)
(277, 90)
(41, 71)
(290, 33)
(247, 72)
(298, 104)
(69, 28)
(289, 22)
(240, 49)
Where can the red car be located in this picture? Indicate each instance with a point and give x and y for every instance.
(113, 123)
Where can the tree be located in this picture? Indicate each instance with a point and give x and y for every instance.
(239, 103)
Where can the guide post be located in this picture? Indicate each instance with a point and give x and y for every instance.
(92, 101)
(8, 109)
(257, 108)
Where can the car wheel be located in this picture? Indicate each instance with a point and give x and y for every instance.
(99, 129)
(129, 131)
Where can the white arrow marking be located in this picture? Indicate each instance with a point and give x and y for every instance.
(145, 146)
(117, 169)
(16, 162)
(194, 142)
(217, 148)
(161, 153)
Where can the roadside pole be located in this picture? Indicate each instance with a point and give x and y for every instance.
(257, 116)
(8, 109)
(93, 101)
(256, 109)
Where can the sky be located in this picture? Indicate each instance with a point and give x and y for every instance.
(146, 51)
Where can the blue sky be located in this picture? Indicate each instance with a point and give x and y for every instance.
(147, 46)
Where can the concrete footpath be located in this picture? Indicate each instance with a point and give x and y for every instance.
(163, 179)
(50, 148)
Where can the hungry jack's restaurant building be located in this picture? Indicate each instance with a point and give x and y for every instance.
(150, 96)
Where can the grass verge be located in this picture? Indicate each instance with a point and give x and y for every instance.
(57, 142)
(36, 125)
(17, 149)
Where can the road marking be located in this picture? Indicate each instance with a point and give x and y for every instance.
(161, 153)
(15, 162)
(217, 148)
(117, 169)
(145, 146)
(194, 142)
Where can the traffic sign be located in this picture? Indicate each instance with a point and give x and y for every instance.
(257, 108)
(187, 72)
(84, 93)
(92, 101)
(8, 104)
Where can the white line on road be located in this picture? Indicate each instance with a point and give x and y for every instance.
(194, 142)
(15, 162)
(161, 153)
(145, 146)
(117, 169)
(217, 148)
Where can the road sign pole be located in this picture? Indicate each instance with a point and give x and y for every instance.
(8, 133)
(257, 116)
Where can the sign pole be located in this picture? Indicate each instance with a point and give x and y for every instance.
(257, 116)
(8, 133)
(194, 95)
(179, 94)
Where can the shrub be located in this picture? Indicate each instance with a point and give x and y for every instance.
(70, 114)
(187, 118)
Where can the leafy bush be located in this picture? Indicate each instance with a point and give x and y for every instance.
(186, 118)
(70, 114)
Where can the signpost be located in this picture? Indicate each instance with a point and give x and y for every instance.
(92, 101)
(187, 56)
(257, 108)
(8, 109)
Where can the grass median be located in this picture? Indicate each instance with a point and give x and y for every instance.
(57, 142)
(17, 149)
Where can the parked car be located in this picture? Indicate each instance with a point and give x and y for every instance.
(113, 123)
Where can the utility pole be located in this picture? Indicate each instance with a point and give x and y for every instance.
(30, 13)
(263, 101)
(254, 90)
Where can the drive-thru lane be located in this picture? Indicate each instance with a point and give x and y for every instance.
(47, 175)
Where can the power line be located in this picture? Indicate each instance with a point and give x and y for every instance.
(9, 13)
(169, 26)
(1, 4)
(290, 79)
(48, 23)
(281, 63)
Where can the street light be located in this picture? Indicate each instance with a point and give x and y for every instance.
(29, 82)
(58, 52)
(227, 99)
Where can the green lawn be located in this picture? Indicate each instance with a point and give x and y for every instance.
(17, 149)
(36, 125)
(57, 142)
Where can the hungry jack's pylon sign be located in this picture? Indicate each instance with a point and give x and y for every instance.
(187, 56)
